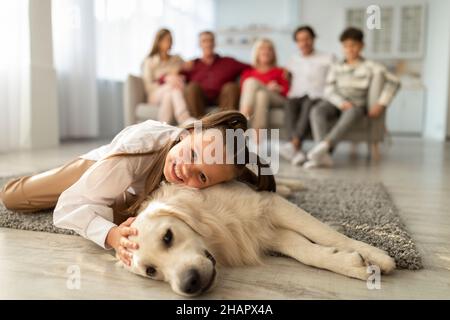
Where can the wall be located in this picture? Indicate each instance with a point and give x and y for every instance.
(448, 112)
(281, 15)
(437, 69)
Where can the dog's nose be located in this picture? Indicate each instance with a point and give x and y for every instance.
(191, 282)
(210, 257)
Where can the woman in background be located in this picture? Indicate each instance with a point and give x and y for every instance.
(263, 86)
(163, 83)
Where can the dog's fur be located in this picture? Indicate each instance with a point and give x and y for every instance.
(237, 226)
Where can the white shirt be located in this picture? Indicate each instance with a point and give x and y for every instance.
(85, 206)
(309, 74)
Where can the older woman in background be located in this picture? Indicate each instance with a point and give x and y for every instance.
(263, 86)
(163, 83)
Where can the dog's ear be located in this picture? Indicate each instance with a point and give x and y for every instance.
(191, 220)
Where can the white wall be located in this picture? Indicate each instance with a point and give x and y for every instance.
(280, 15)
(327, 19)
(448, 113)
(436, 70)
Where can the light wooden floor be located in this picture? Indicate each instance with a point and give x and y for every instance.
(34, 265)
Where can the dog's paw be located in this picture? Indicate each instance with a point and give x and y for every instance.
(385, 262)
(284, 191)
(349, 263)
(358, 273)
(357, 266)
(347, 258)
(358, 260)
(381, 259)
(375, 256)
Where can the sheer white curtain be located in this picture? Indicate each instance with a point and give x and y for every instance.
(14, 66)
(75, 62)
(97, 43)
(125, 31)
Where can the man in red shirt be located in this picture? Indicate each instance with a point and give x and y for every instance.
(212, 79)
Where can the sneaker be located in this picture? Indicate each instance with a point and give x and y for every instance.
(298, 159)
(325, 162)
(287, 151)
(318, 152)
(310, 164)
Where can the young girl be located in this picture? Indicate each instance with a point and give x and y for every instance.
(264, 85)
(106, 185)
(163, 83)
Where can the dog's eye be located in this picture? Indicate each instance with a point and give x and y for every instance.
(168, 237)
(151, 271)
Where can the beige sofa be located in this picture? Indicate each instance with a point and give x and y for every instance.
(370, 131)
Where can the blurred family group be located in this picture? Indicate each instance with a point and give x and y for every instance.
(314, 88)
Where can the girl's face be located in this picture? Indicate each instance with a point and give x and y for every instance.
(166, 43)
(185, 164)
(266, 54)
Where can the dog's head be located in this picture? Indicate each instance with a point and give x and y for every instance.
(172, 249)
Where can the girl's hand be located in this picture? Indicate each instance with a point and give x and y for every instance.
(175, 80)
(274, 86)
(118, 239)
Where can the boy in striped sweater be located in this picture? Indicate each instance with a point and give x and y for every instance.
(345, 97)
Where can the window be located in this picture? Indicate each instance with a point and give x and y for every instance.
(401, 34)
(356, 18)
(125, 31)
(411, 28)
(382, 38)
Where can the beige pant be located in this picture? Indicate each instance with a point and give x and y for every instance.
(256, 100)
(171, 104)
(41, 191)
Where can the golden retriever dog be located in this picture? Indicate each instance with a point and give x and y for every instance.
(184, 234)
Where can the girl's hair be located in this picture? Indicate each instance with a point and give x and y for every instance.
(159, 36)
(257, 46)
(220, 120)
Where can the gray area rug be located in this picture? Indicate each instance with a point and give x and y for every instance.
(363, 211)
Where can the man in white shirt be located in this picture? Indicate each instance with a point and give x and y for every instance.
(309, 71)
